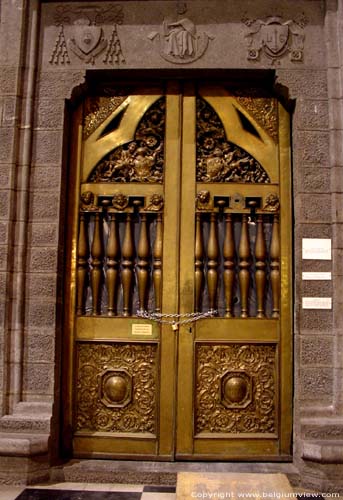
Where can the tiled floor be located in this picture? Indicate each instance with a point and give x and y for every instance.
(88, 491)
(98, 491)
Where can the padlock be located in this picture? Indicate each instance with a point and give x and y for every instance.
(175, 326)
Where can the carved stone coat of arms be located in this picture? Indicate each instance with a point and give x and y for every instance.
(275, 37)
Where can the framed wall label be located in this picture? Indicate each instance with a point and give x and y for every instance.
(316, 248)
(312, 275)
(317, 302)
(141, 329)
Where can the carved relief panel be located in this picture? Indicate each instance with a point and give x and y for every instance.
(81, 33)
(140, 160)
(235, 388)
(219, 160)
(116, 388)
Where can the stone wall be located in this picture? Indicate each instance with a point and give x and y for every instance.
(40, 69)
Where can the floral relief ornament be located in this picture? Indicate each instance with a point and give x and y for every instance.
(275, 37)
(80, 33)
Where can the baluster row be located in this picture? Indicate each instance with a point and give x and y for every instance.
(116, 264)
(252, 266)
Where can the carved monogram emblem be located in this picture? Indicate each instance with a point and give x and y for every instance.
(180, 42)
(275, 37)
(80, 33)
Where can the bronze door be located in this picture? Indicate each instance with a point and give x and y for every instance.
(178, 330)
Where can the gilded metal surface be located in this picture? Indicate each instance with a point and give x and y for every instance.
(236, 389)
(155, 204)
(97, 109)
(213, 362)
(263, 109)
(219, 160)
(120, 201)
(139, 362)
(231, 407)
(237, 254)
(115, 388)
(87, 201)
(286, 305)
(203, 200)
(113, 278)
(272, 203)
(140, 160)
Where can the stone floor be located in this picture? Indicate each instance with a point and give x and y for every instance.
(204, 486)
(88, 491)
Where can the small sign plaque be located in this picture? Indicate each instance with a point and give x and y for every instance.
(316, 275)
(316, 248)
(317, 302)
(141, 329)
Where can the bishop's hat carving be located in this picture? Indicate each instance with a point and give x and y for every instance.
(86, 32)
(275, 37)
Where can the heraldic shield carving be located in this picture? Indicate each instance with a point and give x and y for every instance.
(275, 37)
(87, 32)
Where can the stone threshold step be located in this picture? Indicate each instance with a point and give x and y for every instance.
(146, 472)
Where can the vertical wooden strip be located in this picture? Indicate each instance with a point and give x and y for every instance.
(229, 265)
(167, 293)
(275, 266)
(187, 333)
(199, 262)
(97, 254)
(143, 252)
(244, 265)
(113, 256)
(82, 265)
(212, 263)
(157, 265)
(260, 273)
(286, 308)
(128, 249)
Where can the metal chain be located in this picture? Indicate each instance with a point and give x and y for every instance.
(189, 317)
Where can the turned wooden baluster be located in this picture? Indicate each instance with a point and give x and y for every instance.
(260, 274)
(199, 263)
(97, 253)
(212, 263)
(128, 251)
(113, 261)
(143, 252)
(229, 265)
(157, 266)
(244, 265)
(82, 264)
(275, 267)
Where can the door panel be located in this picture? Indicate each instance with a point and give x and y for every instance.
(178, 291)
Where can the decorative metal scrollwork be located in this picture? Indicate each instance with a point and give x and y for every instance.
(219, 160)
(119, 399)
(140, 160)
(235, 388)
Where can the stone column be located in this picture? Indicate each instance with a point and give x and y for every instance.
(321, 345)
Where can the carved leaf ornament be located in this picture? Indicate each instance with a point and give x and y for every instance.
(218, 364)
(219, 160)
(123, 363)
(140, 160)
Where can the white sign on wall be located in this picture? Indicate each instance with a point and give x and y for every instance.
(317, 302)
(316, 248)
(314, 275)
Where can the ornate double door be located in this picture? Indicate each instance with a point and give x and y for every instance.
(178, 289)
